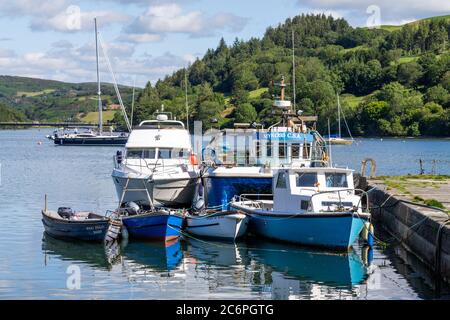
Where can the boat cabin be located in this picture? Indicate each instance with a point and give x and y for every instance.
(273, 147)
(314, 190)
(159, 142)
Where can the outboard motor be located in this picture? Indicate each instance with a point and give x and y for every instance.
(132, 208)
(119, 156)
(65, 212)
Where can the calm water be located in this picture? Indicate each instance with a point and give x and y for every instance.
(35, 266)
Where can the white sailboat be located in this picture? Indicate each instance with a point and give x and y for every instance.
(339, 139)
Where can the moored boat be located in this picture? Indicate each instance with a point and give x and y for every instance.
(242, 159)
(310, 206)
(155, 225)
(86, 226)
(227, 225)
(159, 167)
(97, 137)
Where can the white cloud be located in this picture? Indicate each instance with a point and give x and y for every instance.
(391, 12)
(170, 18)
(66, 62)
(32, 7)
(70, 21)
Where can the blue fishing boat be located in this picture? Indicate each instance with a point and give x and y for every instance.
(159, 225)
(242, 159)
(310, 206)
(67, 224)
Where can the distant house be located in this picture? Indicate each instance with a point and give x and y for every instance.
(114, 107)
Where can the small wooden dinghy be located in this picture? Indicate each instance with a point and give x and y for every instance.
(86, 226)
(228, 225)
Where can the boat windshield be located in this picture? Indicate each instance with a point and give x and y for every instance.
(336, 180)
(163, 153)
(306, 179)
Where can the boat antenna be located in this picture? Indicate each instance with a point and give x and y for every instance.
(329, 143)
(293, 69)
(132, 101)
(186, 99)
(99, 92)
(116, 88)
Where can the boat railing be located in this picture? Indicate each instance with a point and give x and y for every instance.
(362, 195)
(143, 164)
(254, 199)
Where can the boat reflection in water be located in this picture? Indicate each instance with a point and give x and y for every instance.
(158, 257)
(95, 255)
(295, 272)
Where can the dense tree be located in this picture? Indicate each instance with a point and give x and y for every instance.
(331, 57)
(245, 113)
(408, 74)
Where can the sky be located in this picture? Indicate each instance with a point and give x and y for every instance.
(148, 39)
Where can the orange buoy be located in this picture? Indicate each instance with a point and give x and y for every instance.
(194, 160)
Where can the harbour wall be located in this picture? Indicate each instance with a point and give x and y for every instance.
(423, 231)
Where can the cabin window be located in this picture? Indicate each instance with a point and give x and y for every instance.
(306, 151)
(149, 153)
(269, 149)
(282, 150)
(134, 153)
(180, 153)
(164, 153)
(295, 150)
(306, 179)
(336, 180)
(258, 149)
(281, 180)
(304, 204)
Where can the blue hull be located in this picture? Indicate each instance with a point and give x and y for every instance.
(335, 231)
(154, 226)
(86, 231)
(220, 190)
(116, 141)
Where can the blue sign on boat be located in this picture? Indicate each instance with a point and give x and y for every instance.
(285, 136)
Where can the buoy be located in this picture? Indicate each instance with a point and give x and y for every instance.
(194, 160)
(367, 234)
(367, 255)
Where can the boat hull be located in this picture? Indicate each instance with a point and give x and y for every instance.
(104, 141)
(220, 190)
(174, 193)
(226, 225)
(79, 230)
(154, 227)
(334, 231)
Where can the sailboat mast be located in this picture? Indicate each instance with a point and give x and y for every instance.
(339, 115)
(99, 92)
(186, 98)
(293, 69)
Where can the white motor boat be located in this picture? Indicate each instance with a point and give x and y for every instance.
(159, 167)
(310, 206)
(227, 225)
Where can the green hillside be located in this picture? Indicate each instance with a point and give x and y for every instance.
(39, 99)
(8, 114)
(392, 82)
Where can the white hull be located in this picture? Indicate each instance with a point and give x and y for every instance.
(171, 192)
(222, 225)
